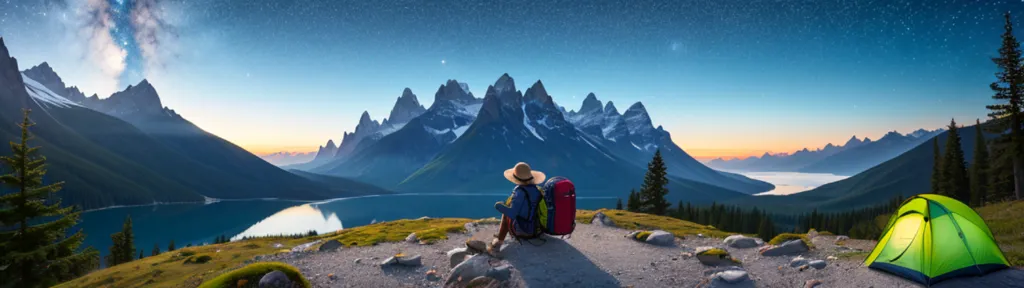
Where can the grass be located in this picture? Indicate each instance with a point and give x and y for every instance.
(428, 230)
(252, 273)
(169, 270)
(782, 238)
(1006, 220)
(640, 221)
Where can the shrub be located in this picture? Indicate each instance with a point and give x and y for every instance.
(642, 236)
(826, 233)
(782, 238)
(187, 253)
(201, 259)
(252, 274)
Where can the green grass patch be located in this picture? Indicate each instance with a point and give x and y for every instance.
(1006, 220)
(641, 221)
(429, 230)
(782, 238)
(198, 259)
(252, 273)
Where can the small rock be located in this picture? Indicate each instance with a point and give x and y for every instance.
(456, 256)
(632, 235)
(302, 247)
(661, 238)
(831, 258)
(331, 276)
(700, 235)
(812, 283)
(791, 247)
(841, 238)
(804, 267)
(471, 227)
(603, 220)
(733, 276)
(411, 238)
(358, 260)
(423, 218)
(275, 279)
(374, 221)
(477, 266)
(476, 246)
(798, 261)
(414, 260)
(818, 264)
(740, 241)
(330, 245)
(278, 245)
(432, 275)
(686, 254)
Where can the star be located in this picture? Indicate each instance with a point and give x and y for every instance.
(443, 61)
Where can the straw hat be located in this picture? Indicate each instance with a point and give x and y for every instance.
(521, 174)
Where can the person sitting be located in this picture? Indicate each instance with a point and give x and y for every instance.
(519, 211)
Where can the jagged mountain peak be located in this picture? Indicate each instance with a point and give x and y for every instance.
(609, 109)
(590, 104)
(330, 144)
(505, 83)
(138, 98)
(853, 141)
(452, 90)
(406, 107)
(538, 93)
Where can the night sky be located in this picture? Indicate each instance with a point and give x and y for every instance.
(727, 78)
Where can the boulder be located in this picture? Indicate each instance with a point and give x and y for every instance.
(411, 238)
(403, 260)
(423, 218)
(818, 264)
(457, 256)
(472, 227)
(791, 247)
(733, 276)
(740, 241)
(477, 266)
(811, 234)
(301, 247)
(632, 235)
(661, 238)
(330, 246)
(483, 282)
(476, 246)
(841, 238)
(603, 220)
(700, 235)
(798, 261)
(276, 279)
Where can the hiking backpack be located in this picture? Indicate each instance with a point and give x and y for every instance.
(557, 211)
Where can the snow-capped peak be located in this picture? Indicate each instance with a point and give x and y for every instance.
(590, 105)
(43, 96)
(609, 109)
(505, 83)
(637, 119)
(465, 87)
(406, 107)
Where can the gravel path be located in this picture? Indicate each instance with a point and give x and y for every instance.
(599, 256)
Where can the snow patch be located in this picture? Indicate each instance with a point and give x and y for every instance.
(41, 93)
(526, 122)
(595, 147)
(460, 130)
(471, 110)
(637, 147)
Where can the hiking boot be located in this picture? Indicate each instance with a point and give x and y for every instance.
(495, 247)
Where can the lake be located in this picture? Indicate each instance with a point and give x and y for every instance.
(201, 223)
(792, 182)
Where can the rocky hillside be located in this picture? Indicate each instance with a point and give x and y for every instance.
(607, 250)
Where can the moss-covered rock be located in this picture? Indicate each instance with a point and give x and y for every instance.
(252, 274)
(642, 235)
(782, 238)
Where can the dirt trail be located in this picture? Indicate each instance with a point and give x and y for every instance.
(597, 256)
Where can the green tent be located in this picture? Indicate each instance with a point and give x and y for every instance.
(933, 238)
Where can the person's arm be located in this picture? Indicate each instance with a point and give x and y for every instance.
(511, 209)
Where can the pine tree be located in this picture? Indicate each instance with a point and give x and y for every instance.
(140, 254)
(156, 250)
(35, 250)
(652, 191)
(170, 246)
(764, 230)
(954, 170)
(936, 167)
(618, 205)
(123, 248)
(979, 168)
(1006, 115)
(633, 202)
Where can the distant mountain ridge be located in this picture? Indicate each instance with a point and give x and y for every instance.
(139, 153)
(852, 157)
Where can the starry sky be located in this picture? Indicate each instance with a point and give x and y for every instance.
(726, 78)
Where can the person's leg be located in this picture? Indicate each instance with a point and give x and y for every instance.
(503, 230)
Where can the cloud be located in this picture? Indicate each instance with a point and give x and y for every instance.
(156, 25)
(87, 25)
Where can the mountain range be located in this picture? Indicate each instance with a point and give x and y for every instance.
(128, 149)
(853, 157)
(462, 144)
(285, 158)
(904, 175)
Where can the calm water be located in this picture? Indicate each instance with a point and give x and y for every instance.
(793, 182)
(201, 223)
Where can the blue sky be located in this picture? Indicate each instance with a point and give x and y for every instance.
(727, 78)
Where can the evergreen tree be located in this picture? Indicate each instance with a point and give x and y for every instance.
(170, 246)
(954, 170)
(618, 204)
(679, 210)
(764, 230)
(979, 169)
(123, 248)
(35, 249)
(652, 191)
(140, 254)
(156, 250)
(936, 167)
(633, 202)
(1006, 115)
